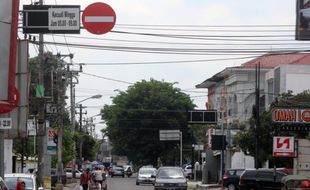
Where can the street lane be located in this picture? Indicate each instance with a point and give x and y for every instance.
(119, 183)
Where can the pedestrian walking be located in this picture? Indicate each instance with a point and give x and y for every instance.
(20, 185)
(85, 179)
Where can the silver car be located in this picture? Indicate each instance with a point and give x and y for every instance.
(146, 176)
(170, 178)
(30, 180)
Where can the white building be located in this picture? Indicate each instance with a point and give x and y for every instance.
(232, 92)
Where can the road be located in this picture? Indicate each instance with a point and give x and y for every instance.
(119, 183)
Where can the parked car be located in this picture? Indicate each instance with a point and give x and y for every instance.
(69, 174)
(128, 170)
(31, 181)
(260, 179)
(146, 176)
(231, 178)
(117, 171)
(3, 186)
(188, 171)
(170, 178)
(295, 182)
(54, 177)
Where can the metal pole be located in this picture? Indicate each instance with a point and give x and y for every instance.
(41, 127)
(181, 148)
(72, 98)
(257, 121)
(1, 152)
(222, 151)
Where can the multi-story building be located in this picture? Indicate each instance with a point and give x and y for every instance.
(232, 91)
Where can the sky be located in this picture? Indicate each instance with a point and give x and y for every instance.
(170, 25)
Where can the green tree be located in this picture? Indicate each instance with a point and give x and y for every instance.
(246, 139)
(136, 116)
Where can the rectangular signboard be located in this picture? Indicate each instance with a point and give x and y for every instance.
(63, 19)
(202, 116)
(169, 135)
(283, 146)
(5, 123)
(59, 19)
(51, 145)
(291, 115)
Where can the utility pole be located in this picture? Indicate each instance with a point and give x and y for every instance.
(81, 128)
(257, 120)
(41, 126)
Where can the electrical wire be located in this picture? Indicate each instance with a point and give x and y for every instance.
(106, 78)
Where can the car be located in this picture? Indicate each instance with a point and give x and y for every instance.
(3, 186)
(231, 178)
(170, 177)
(296, 182)
(54, 177)
(188, 171)
(117, 171)
(69, 174)
(146, 176)
(128, 170)
(261, 179)
(31, 181)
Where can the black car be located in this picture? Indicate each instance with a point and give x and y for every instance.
(260, 179)
(231, 178)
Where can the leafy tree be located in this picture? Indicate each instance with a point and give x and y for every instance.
(136, 116)
(246, 138)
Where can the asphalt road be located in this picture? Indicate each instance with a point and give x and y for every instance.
(119, 183)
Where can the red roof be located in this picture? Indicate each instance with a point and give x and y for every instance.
(272, 61)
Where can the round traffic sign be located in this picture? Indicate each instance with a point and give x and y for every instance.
(98, 18)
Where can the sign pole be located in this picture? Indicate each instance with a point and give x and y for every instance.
(181, 148)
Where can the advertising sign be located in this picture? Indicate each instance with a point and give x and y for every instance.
(51, 145)
(303, 20)
(283, 147)
(287, 115)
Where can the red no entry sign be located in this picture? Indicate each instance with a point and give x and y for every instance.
(98, 18)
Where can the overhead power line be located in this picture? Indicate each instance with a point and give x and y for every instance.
(106, 78)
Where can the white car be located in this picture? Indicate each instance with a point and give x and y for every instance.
(146, 176)
(69, 174)
(188, 172)
(30, 180)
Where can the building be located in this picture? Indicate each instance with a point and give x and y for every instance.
(232, 92)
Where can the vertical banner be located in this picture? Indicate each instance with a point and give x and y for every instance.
(5, 29)
(8, 35)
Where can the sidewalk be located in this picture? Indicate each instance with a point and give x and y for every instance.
(72, 185)
(196, 185)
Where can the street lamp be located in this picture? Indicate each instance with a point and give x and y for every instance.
(97, 96)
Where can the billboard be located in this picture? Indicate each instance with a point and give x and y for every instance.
(302, 20)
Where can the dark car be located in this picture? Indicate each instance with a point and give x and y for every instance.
(170, 178)
(117, 171)
(231, 178)
(260, 179)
